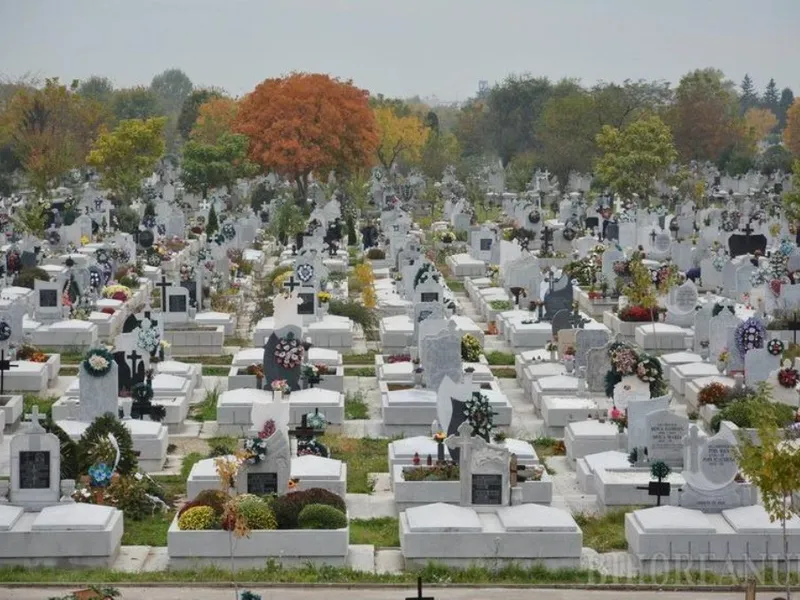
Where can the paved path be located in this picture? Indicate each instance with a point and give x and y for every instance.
(199, 593)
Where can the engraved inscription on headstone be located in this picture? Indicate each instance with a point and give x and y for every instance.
(486, 244)
(34, 470)
(262, 483)
(429, 297)
(177, 304)
(487, 489)
(307, 306)
(718, 462)
(48, 298)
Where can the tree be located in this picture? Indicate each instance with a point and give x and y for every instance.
(286, 221)
(775, 158)
(771, 96)
(515, 107)
(135, 103)
(207, 166)
(213, 224)
(50, 130)
(400, 138)
(97, 88)
(471, 129)
(620, 104)
(441, 150)
(569, 129)
(127, 154)
(705, 117)
(171, 89)
(791, 135)
(772, 464)
(748, 98)
(760, 122)
(791, 200)
(308, 123)
(632, 158)
(215, 118)
(786, 101)
(189, 111)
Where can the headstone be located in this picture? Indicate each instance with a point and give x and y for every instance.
(758, 364)
(35, 466)
(484, 470)
(558, 298)
(440, 355)
(665, 432)
(598, 364)
(585, 340)
(98, 395)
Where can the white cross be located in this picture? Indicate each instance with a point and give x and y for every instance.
(693, 442)
(33, 418)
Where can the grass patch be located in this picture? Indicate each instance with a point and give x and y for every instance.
(455, 285)
(151, 531)
(359, 371)
(221, 445)
(215, 371)
(68, 371)
(207, 409)
(224, 359)
(355, 408)
(45, 403)
(363, 456)
(605, 532)
(504, 373)
(547, 446)
(495, 358)
(70, 355)
(359, 359)
(238, 341)
(189, 461)
(174, 486)
(382, 533)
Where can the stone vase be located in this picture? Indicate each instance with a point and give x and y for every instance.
(569, 365)
(720, 367)
(277, 395)
(553, 356)
(323, 309)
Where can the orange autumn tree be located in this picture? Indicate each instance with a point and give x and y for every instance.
(791, 135)
(215, 118)
(308, 123)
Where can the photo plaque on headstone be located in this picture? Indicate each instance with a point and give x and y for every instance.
(307, 307)
(487, 489)
(262, 483)
(177, 304)
(48, 298)
(34, 470)
(429, 297)
(486, 244)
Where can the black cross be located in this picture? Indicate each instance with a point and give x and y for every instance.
(658, 489)
(163, 285)
(419, 595)
(134, 356)
(5, 365)
(304, 432)
(547, 238)
(291, 284)
(748, 230)
(653, 237)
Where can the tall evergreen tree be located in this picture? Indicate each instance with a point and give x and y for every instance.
(749, 97)
(787, 98)
(213, 225)
(771, 96)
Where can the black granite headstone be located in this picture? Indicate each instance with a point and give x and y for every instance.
(742, 244)
(273, 371)
(48, 298)
(28, 259)
(561, 320)
(558, 298)
(191, 286)
(612, 231)
(177, 304)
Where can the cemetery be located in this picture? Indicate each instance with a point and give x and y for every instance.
(238, 338)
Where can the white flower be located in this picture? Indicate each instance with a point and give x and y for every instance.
(138, 476)
(98, 363)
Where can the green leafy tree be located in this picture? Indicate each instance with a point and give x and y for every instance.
(635, 156)
(209, 166)
(772, 464)
(97, 88)
(213, 224)
(791, 200)
(787, 99)
(471, 129)
(134, 103)
(126, 155)
(286, 221)
(191, 107)
(171, 88)
(440, 150)
(749, 97)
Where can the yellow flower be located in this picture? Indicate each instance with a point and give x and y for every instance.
(85, 240)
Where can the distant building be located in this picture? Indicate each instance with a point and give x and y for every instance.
(483, 88)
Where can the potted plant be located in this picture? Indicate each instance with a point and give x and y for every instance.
(722, 360)
(569, 359)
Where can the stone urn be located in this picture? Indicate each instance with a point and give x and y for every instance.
(721, 366)
(569, 363)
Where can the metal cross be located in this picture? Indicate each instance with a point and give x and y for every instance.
(163, 285)
(291, 283)
(5, 365)
(658, 489)
(134, 356)
(748, 230)
(419, 595)
(653, 237)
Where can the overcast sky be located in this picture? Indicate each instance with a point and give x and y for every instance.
(400, 47)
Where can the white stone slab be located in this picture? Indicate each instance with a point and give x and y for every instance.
(442, 518)
(673, 519)
(73, 517)
(535, 517)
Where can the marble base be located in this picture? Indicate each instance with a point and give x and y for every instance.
(583, 438)
(463, 265)
(194, 342)
(661, 337)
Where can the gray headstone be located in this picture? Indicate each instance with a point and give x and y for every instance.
(98, 395)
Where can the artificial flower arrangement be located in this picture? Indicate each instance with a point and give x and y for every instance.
(98, 362)
(256, 447)
(288, 352)
(724, 356)
(635, 314)
(280, 385)
(775, 347)
(551, 346)
(749, 335)
(148, 338)
(117, 292)
(625, 361)
(397, 358)
(310, 373)
(479, 414)
(31, 353)
(255, 369)
(187, 273)
(788, 376)
(713, 394)
(619, 418)
(447, 237)
(323, 297)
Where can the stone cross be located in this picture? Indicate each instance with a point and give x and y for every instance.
(693, 442)
(34, 418)
(461, 441)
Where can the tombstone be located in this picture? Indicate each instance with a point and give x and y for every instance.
(424, 311)
(484, 469)
(709, 470)
(440, 355)
(665, 431)
(177, 302)
(451, 397)
(758, 364)
(585, 340)
(270, 475)
(285, 339)
(719, 328)
(97, 395)
(598, 364)
(35, 466)
(702, 323)
(482, 243)
(131, 361)
(48, 301)
(630, 389)
(610, 258)
(740, 245)
(681, 304)
(559, 297)
(637, 412)
(662, 243)
(627, 235)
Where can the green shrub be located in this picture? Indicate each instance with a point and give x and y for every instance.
(27, 276)
(470, 348)
(321, 516)
(750, 412)
(356, 312)
(197, 518)
(214, 499)
(376, 254)
(497, 358)
(501, 305)
(256, 513)
(288, 507)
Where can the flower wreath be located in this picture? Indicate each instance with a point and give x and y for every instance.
(288, 352)
(479, 414)
(775, 347)
(154, 259)
(54, 238)
(98, 362)
(148, 338)
(95, 279)
(750, 335)
(312, 447)
(101, 256)
(534, 217)
(568, 233)
(187, 273)
(624, 359)
(256, 450)
(718, 262)
(648, 369)
(142, 392)
(229, 231)
(305, 272)
(425, 271)
(730, 220)
(149, 221)
(5, 331)
(788, 377)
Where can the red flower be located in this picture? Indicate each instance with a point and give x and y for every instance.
(637, 314)
(108, 310)
(119, 296)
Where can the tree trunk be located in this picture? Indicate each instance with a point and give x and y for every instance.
(786, 555)
(302, 188)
